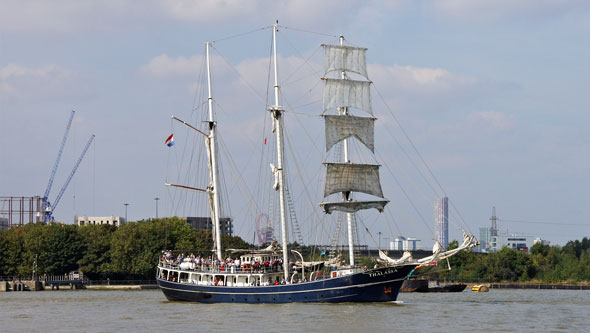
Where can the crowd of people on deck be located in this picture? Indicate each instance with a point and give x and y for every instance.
(254, 282)
(199, 263)
(210, 264)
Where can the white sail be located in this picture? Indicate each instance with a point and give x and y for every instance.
(339, 128)
(347, 93)
(345, 58)
(353, 206)
(346, 177)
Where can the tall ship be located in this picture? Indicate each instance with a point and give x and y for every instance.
(278, 274)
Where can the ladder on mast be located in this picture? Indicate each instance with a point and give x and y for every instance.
(293, 217)
(355, 237)
(336, 237)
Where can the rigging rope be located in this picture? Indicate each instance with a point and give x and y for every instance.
(308, 31)
(388, 214)
(242, 34)
(239, 74)
(544, 222)
(179, 198)
(300, 175)
(416, 187)
(420, 156)
(306, 61)
(410, 200)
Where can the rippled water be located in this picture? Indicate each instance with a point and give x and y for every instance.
(148, 310)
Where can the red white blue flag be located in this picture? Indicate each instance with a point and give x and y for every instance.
(170, 141)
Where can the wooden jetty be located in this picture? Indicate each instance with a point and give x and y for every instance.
(65, 281)
(20, 285)
(73, 281)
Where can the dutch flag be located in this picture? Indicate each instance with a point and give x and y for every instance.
(170, 141)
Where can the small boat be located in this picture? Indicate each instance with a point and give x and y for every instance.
(426, 286)
(448, 288)
(415, 286)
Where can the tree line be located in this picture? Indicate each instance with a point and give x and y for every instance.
(543, 263)
(130, 251)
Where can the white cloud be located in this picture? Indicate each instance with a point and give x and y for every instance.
(492, 120)
(165, 66)
(72, 16)
(414, 90)
(12, 71)
(208, 10)
(437, 78)
(478, 127)
(418, 79)
(486, 10)
(17, 81)
(297, 11)
(60, 16)
(247, 77)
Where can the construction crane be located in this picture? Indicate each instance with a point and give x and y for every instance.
(63, 189)
(47, 207)
(45, 203)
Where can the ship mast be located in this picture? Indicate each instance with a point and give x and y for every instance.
(346, 196)
(277, 112)
(211, 145)
(346, 177)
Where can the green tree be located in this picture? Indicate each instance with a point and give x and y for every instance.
(96, 259)
(64, 246)
(34, 248)
(12, 252)
(136, 247)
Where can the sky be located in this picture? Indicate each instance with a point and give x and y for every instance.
(491, 94)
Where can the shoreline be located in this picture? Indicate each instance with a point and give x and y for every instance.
(122, 287)
(491, 285)
(529, 285)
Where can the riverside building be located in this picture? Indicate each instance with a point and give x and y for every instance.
(111, 220)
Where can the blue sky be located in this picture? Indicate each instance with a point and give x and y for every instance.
(493, 95)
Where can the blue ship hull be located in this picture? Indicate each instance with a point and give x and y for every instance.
(376, 285)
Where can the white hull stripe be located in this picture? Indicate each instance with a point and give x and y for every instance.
(284, 292)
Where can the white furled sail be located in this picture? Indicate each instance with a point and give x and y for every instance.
(353, 206)
(345, 58)
(347, 93)
(406, 258)
(339, 128)
(437, 253)
(468, 242)
(347, 177)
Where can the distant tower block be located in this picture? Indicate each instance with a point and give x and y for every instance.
(494, 219)
(441, 219)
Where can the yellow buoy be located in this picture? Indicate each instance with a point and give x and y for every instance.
(480, 288)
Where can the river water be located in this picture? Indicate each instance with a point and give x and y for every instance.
(149, 311)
